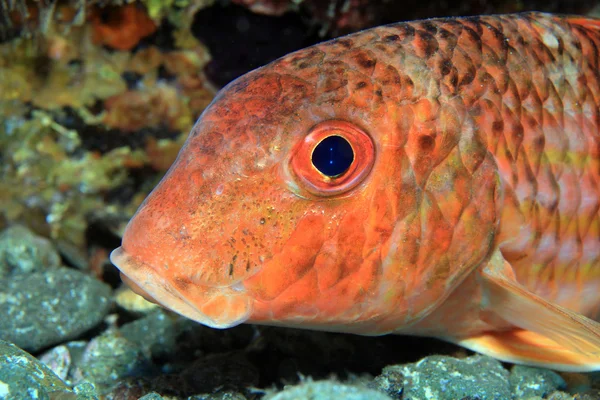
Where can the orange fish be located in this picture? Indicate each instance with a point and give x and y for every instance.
(437, 178)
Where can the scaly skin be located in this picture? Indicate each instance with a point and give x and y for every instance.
(486, 136)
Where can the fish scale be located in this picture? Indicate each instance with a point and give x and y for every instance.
(469, 211)
(531, 67)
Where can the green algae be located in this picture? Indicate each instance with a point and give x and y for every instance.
(45, 172)
(75, 129)
(54, 72)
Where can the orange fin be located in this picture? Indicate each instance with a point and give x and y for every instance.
(526, 347)
(548, 332)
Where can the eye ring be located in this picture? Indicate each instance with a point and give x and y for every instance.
(315, 182)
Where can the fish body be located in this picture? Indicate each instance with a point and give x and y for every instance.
(468, 208)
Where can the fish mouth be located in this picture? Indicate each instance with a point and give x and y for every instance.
(221, 307)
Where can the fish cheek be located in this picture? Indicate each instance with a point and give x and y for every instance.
(237, 229)
(318, 275)
(292, 262)
(341, 255)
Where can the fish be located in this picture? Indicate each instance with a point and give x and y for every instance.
(434, 178)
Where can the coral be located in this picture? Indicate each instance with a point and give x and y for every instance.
(57, 72)
(49, 183)
(158, 9)
(86, 131)
(121, 28)
(154, 106)
(157, 103)
(22, 18)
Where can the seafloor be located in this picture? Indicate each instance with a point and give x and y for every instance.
(95, 100)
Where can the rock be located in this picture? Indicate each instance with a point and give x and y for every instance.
(214, 377)
(24, 377)
(151, 396)
(45, 308)
(58, 359)
(528, 382)
(63, 359)
(128, 300)
(155, 334)
(593, 394)
(109, 358)
(326, 390)
(22, 252)
(76, 349)
(134, 388)
(441, 377)
(559, 396)
(86, 391)
(579, 382)
(219, 396)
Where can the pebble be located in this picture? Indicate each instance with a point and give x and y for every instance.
(151, 396)
(326, 390)
(86, 391)
(58, 359)
(209, 396)
(528, 382)
(22, 252)
(22, 376)
(226, 395)
(155, 334)
(446, 378)
(108, 359)
(63, 359)
(45, 308)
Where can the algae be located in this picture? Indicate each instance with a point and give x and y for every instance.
(86, 130)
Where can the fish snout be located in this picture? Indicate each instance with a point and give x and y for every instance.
(217, 307)
(184, 248)
(166, 261)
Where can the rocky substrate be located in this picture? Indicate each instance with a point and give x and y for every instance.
(65, 334)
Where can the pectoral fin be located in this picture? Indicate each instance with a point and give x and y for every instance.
(526, 347)
(548, 335)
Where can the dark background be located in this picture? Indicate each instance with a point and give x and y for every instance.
(241, 40)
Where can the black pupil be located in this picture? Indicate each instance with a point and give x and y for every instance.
(333, 156)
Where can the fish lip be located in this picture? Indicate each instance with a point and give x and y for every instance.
(144, 280)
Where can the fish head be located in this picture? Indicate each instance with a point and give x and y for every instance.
(247, 226)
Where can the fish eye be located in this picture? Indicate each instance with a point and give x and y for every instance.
(333, 158)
